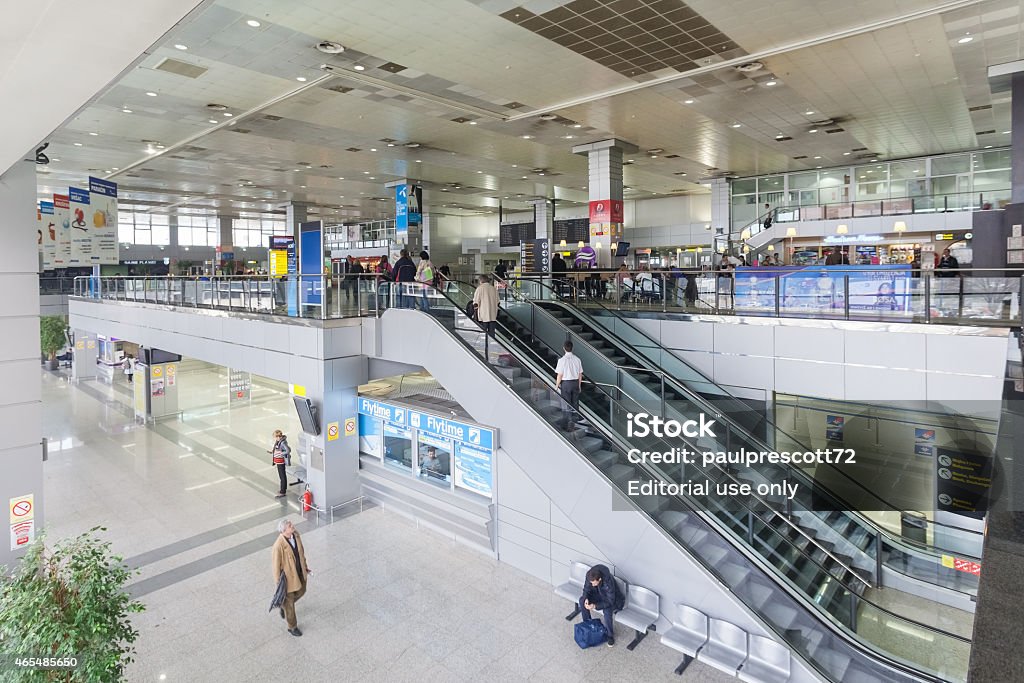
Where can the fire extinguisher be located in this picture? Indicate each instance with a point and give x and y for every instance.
(307, 500)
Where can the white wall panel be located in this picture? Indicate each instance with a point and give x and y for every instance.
(748, 339)
(902, 350)
(22, 375)
(803, 378)
(744, 371)
(810, 343)
(689, 335)
(884, 384)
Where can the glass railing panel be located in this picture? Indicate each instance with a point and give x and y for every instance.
(940, 654)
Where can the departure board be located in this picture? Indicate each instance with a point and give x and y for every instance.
(572, 230)
(511, 234)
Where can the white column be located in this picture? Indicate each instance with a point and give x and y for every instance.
(20, 406)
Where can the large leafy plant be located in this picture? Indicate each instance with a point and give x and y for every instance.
(69, 601)
(51, 334)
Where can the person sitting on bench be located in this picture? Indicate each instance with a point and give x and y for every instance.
(601, 592)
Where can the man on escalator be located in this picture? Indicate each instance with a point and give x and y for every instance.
(568, 382)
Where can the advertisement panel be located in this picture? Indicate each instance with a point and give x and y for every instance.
(103, 220)
(402, 214)
(473, 469)
(61, 217)
(47, 234)
(81, 238)
(823, 289)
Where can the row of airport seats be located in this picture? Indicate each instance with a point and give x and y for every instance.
(715, 642)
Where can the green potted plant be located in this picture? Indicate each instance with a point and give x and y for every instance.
(68, 602)
(51, 338)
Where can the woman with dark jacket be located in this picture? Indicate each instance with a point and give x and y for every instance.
(281, 455)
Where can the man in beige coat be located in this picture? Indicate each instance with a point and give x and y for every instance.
(485, 300)
(289, 556)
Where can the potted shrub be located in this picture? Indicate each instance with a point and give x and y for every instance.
(69, 601)
(51, 338)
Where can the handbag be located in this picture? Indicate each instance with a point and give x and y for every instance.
(471, 310)
(279, 593)
(589, 633)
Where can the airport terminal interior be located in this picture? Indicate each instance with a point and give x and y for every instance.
(512, 340)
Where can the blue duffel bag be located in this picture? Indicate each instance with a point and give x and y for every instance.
(589, 633)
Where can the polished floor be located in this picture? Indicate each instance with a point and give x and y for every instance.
(190, 503)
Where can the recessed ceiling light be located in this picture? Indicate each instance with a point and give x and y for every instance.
(524, 177)
(391, 144)
(55, 159)
(654, 156)
(213, 120)
(472, 123)
(114, 168)
(127, 111)
(874, 160)
(965, 39)
(179, 46)
(846, 154)
(419, 161)
(340, 178)
(94, 134)
(629, 161)
(1006, 132)
(151, 93)
(813, 130)
(302, 187)
(808, 113)
(569, 137)
(479, 171)
(78, 144)
(373, 149)
(817, 157)
(527, 137)
(779, 136)
(253, 23)
(817, 167)
(300, 79)
(359, 67)
(515, 165)
(366, 173)
(689, 101)
(577, 125)
(160, 147)
(736, 125)
(228, 114)
(771, 83)
(988, 146)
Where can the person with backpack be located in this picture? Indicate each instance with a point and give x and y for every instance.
(425, 276)
(281, 456)
(601, 592)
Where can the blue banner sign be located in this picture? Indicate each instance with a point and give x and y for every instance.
(102, 187)
(382, 411)
(76, 196)
(450, 429)
(402, 213)
(46, 208)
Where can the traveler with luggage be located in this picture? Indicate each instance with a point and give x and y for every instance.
(282, 456)
(601, 592)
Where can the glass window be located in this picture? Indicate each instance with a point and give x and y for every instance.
(143, 228)
(252, 232)
(956, 163)
(906, 170)
(772, 183)
(987, 161)
(803, 181)
(435, 460)
(744, 186)
(991, 180)
(398, 447)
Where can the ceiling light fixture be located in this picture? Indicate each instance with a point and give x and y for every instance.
(151, 93)
(78, 144)
(527, 137)
(179, 46)
(779, 136)
(472, 123)
(966, 39)
(366, 173)
(846, 154)
(689, 101)
(391, 144)
(419, 161)
(771, 83)
(373, 149)
(253, 23)
(577, 125)
(817, 157)
(808, 113)
(300, 79)
(813, 130)
(213, 120)
(126, 110)
(95, 134)
(228, 114)
(736, 125)
(359, 67)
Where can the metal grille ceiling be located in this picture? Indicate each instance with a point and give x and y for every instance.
(632, 37)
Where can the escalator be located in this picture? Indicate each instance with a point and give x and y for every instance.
(806, 586)
(618, 353)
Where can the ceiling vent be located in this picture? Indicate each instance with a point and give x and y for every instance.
(986, 132)
(329, 47)
(802, 156)
(217, 107)
(339, 88)
(980, 107)
(392, 67)
(835, 130)
(412, 145)
(271, 117)
(353, 149)
(671, 156)
(784, 138)
(548, 117)
(181, 68)
(750, 67)
(243, 131)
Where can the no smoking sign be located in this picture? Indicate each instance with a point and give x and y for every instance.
(22, 508)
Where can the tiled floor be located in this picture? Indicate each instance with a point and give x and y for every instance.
(190, 502)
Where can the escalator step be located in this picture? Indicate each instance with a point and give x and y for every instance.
(621, 473)
(603, 459)
(590, 444)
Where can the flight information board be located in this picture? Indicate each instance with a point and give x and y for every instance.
(572, 230)
(511, 234)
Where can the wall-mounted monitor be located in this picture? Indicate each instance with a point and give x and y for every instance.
(622, 249)
(155, 356)
(307, 415)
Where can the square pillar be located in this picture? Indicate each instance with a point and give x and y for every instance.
(607, 216)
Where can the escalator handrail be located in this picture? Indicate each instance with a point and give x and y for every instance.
(821, 615)
(686, 391)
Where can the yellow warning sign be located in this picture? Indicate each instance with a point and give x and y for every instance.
(332, 431)
(158, 371)
(22, 508)
(350, 426)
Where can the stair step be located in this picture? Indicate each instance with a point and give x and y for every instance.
(590, 444)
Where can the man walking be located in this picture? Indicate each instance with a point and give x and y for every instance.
(568, 382)
(289, 557)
